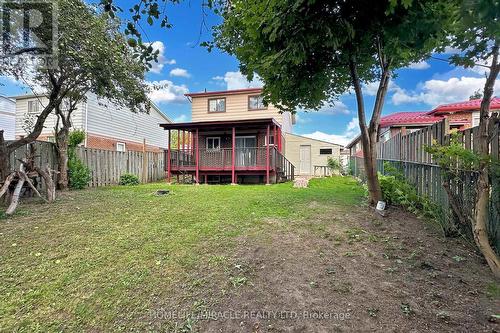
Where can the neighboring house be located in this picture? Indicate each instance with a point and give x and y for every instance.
(107, 126)
(306, 153)
(8, 117)
(465, 113)
(236, 138)
(404, 123)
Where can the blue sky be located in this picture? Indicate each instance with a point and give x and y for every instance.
(185, 66)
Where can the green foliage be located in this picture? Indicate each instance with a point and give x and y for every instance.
(76, 137)
(129, 179)
(454, 158)
(333, 164)
(79, 173)
(397, 191)
(304, 59)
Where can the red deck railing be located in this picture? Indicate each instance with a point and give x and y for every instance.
(246, 159)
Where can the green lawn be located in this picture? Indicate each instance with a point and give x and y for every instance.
(100, 259)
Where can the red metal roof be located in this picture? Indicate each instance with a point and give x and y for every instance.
(225, 92)
(471, 105)
(409, 118)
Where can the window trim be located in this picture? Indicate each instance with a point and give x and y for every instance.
(265, 140)
(331, 149)
(256, 109)
(214, 99)
(213, 137)
(121, 144)
(36, 103)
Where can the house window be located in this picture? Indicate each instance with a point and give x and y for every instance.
(271, 139)
(51, 139)
(256, 102)
(475, 118)
(325, 151)
(213, 143)
(217, 105)
(33, 106)
(120, 146)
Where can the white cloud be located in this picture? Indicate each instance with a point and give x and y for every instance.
(371, 88)
(236, 80)
(435, 92)
(350, 132)
(337, 108)
(179, 72)
(419, 65)
(166, 91)
(157, 67)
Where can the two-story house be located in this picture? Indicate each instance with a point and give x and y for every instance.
(7, 117)
(235, 138)
(107, 126)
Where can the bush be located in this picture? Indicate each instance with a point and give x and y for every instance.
(79, 173)
(129, 179)
(397, 191)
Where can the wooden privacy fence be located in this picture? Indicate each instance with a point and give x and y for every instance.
(407, 154)
(107, 166)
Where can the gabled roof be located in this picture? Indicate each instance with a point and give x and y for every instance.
(471, 105)
(409, 118)
(226, 92)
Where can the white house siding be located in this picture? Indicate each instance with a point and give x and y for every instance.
(50, 122)
(106, 119)
(8, 117)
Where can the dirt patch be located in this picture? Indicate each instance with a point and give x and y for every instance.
(355, 272)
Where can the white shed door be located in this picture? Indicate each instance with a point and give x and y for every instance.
(305, 160)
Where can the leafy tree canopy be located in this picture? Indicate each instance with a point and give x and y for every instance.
(302, 48)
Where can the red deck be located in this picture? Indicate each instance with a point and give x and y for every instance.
(233, 148)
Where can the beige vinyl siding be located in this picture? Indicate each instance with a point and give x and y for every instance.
(50, 122)
(7, 118)
(109, 120)
(236, 109)
(292, 150)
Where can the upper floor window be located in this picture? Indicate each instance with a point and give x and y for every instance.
(33, 106)
(217, 105)
(256, 102)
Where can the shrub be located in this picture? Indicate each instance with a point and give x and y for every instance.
(397, 191)
(334, 165)
(129, 179)
(79, 173)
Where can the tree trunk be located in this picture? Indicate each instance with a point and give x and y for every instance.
(49, 182)
(15, 196)
(484, 184)
(4, 158)
(62, 149)
(369, 134)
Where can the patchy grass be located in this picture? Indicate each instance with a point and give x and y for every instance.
(99, 260)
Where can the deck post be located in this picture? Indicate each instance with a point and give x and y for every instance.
(279, 139)
(233, 170)
(275, 138)
(267, 155)
(168, 158)
(197, 158)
